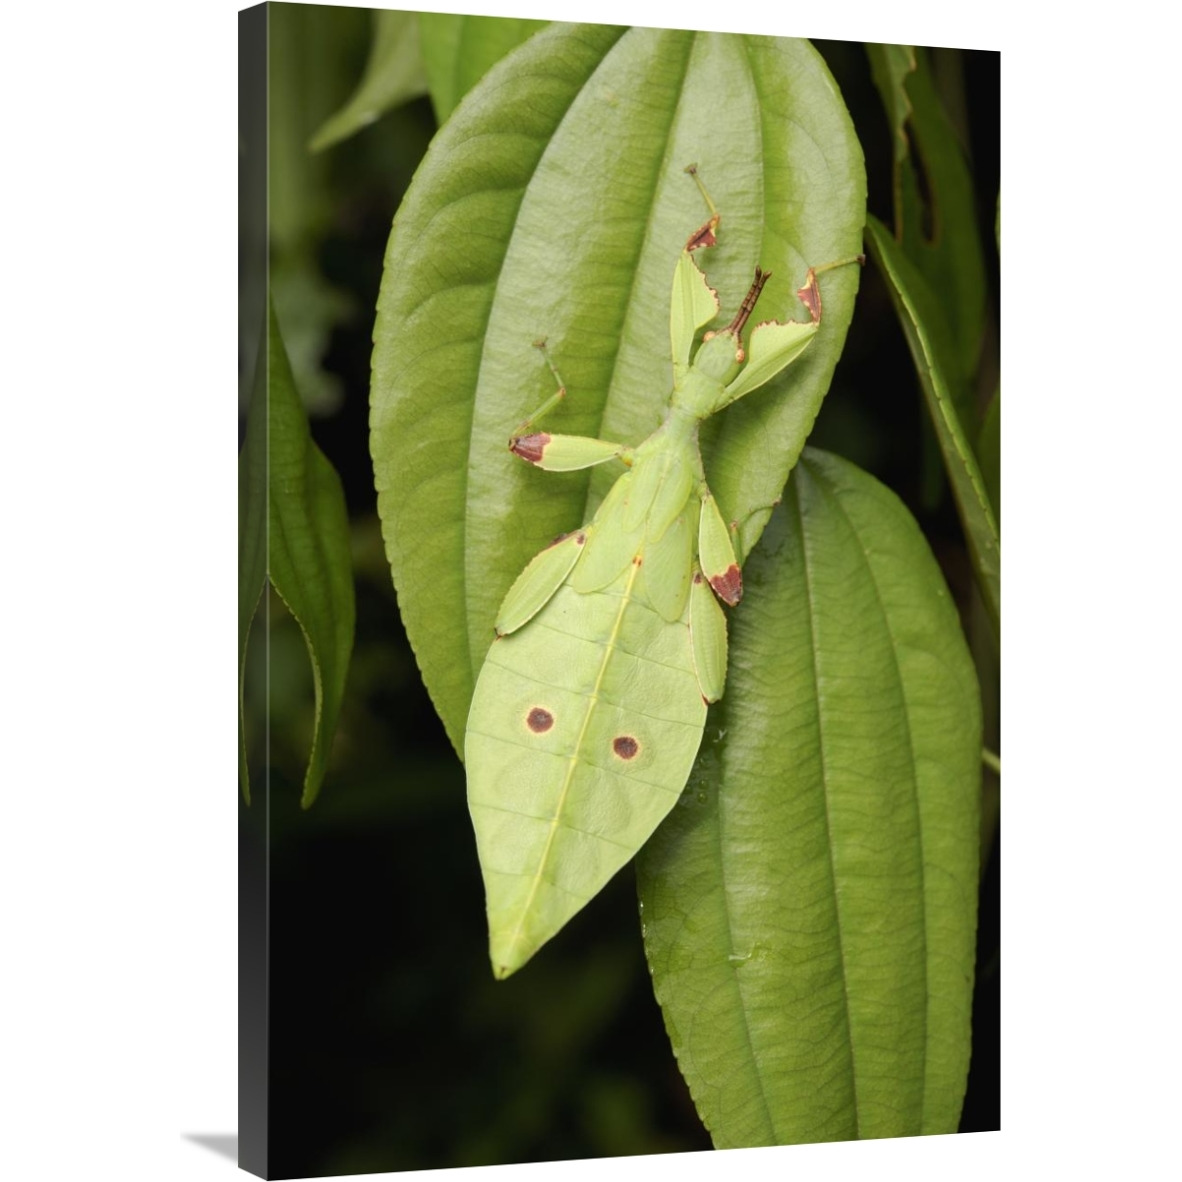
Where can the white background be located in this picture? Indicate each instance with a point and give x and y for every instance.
(117, 840)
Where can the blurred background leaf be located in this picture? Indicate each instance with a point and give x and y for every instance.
(393, 74)
(308, 552)
(889, 67)
(989, 454)
(252, 538)
(920, 314)
(285, 480)
(459, 50)
(314, 55)
(935, 216)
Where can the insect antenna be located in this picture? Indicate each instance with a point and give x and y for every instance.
(748, 304)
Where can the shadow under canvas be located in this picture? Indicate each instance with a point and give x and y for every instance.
(225, 1144)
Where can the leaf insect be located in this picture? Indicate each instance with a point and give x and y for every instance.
(590, 706)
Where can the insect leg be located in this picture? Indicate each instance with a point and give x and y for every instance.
(810, 294)
(567, 453)
(551, 402)
(535, 586)
(704, 236)
(707, 638)
(717, 554)
(561, 453)
(694, 302)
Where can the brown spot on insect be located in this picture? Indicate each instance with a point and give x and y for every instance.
(728, 586)
(530, 447)
(625, 746)
(810, 296)
(638, 560)
(539, 720)
(810, 293)
(703, 235)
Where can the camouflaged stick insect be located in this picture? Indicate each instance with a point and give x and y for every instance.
(590, 706)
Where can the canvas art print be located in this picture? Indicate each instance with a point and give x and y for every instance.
(619, 590)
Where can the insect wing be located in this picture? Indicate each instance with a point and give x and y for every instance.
(610, 547)
(717, 554)
(668, 563)
(582, 733)
(708, 635)
(661, 482)
(538, 582)
(564, 453)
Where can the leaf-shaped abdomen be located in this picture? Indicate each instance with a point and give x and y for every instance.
(582, 733)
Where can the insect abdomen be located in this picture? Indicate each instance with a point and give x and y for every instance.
(582, 733)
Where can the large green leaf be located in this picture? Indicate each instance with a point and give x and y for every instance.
(393, 75)
(305, 545)
(459, 50)
(928, 336)
(809, 908)
(554, 204)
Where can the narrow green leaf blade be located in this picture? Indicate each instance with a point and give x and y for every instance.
(459, 50)
(927, 336)
(989, 453)
(308, 551)
(809, 908)
(393, 75)
(554, 204)
(890, 66)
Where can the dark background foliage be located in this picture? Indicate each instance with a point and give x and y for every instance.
(392, 1047)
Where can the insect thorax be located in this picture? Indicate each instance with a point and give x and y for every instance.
(700, 390)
